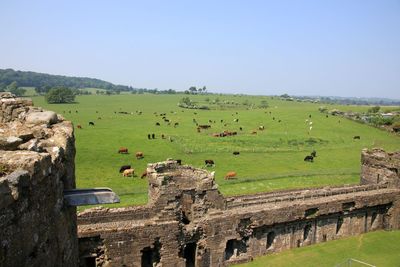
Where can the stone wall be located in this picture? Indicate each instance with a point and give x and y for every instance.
(36, 164)
(377, 166)
(187, 222)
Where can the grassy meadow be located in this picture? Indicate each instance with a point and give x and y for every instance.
(270, 160)
(377, 248)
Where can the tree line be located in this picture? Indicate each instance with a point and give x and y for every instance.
(43, 82)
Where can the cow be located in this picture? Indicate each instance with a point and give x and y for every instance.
(309, 116)
(236, 153)
(139, 155)
(240, 128)
(79, 126)
(157, 124)
(144, 174)
(153, 136)
(236, 120)
(91, 123)
(148, 136)
(204, 126)
(230, 175)
(123, 150)
(128, 173)
(254, 132)
(215, 134)
(124, 167)
(357, 137)
(209, 162)
(261, 127)
(314, 153)
(162, 136)
(309, 158)
(176, 124)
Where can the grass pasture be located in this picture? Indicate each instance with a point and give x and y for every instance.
(270, 160)
(379, 248)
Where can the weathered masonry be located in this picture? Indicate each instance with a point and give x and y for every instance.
(37, 151)
(187, 222)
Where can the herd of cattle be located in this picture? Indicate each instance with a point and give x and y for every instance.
(128, 171)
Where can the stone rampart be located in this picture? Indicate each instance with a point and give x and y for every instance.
(36, 164)
(187, 222)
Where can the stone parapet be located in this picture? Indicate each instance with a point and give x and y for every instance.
(36, 164)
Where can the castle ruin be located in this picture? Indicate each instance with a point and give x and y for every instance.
(187, 221)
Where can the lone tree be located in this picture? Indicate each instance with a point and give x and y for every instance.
(60, 95)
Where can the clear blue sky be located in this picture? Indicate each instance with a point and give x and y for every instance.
(344, 48)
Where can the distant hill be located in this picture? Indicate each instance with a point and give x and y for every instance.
(35, 79)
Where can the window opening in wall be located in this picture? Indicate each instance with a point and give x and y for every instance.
(270, 239)
(377, 180)
(90, 262)
(234, 248)
(339, 224)
(373, 217)
(311, 212)
(307, 229)
(189, 254)
(323, 238)
(185, 219)
(151, 255)
(348, 205)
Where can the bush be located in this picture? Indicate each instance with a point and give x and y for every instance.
(60, 95)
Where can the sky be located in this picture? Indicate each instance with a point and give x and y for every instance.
(328, 48)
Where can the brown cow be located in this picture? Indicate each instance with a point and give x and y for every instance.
(204, 126)
(254, 132)
(144, 174)
(128, 173)
(123, 150)
(230, 175)
(79, 126)
(139, 155)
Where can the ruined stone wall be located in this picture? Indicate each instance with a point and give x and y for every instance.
(36, 164)
(377, 166)
(189, 223)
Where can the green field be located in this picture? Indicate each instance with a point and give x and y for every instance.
(270, 160)
(376, 248)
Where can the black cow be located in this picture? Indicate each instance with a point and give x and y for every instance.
(157, 124)
(357, 137)
(91, 123)
(314, 153)
(309, 158)
(236, 153)
(148, 136)
(153, 136)
(124, 167)
(240, 128)
(209, 162)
